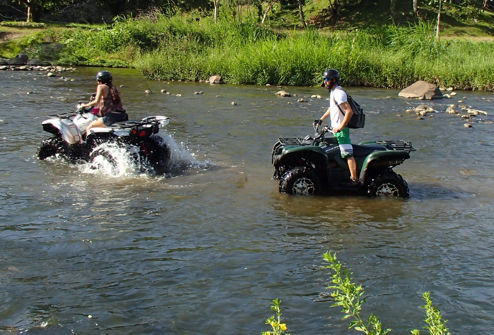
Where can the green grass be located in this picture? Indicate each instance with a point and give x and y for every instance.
(191, 47)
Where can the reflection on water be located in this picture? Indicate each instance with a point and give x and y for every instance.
(204, 252)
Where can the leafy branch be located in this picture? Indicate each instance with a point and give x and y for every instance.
(350, 297)
(274, 321)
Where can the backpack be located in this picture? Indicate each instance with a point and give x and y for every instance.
(358, 117)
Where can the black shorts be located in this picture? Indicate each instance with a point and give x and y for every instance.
(111, 118)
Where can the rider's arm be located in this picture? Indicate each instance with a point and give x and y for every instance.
(348, 115)
(325, 115)
(99, 94)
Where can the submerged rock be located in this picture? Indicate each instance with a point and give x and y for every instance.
(421, 90)
(423, 110)
(283, 94)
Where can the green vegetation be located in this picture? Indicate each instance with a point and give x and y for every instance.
(246, 53)
(277, 327)
(193, 46)
(350, 297)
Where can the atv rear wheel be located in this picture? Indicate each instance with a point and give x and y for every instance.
(300, 181)
(388, 184)
(158, 155)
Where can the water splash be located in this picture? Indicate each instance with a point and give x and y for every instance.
(181, 159)
(115, 160)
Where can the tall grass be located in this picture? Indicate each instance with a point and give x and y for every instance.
(246, 53)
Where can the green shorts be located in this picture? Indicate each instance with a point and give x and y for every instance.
(343, 138)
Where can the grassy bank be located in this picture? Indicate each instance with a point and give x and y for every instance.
(191, 48)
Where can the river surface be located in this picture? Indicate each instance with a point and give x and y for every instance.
(205, 252)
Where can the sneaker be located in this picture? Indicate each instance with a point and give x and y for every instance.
(352, 182)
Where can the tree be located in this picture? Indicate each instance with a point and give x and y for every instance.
(301, 13)
(35, 8)
(216, 7)
(438, 19)
(268, 9)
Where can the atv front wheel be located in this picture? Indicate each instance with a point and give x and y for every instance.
(300, 181)
(388, 184)
(49, 147)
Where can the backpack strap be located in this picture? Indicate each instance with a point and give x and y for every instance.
(337, 105)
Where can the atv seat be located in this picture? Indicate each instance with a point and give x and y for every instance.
(365, 150)
(358, 150)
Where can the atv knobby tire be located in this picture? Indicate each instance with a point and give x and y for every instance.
(300, 181)
(159, 155)
(388, 184)
(103, 158)
(49, 147)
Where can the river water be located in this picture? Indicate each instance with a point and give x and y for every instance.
(205, 252)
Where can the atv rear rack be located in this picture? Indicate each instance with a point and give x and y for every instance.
(397, 145)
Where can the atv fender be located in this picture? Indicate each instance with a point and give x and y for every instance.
(382, 159)
(312, 156)
(66, 129)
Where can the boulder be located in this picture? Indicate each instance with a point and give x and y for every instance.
(421, 90)
(283, 94)
(216, 79)
(20, 59)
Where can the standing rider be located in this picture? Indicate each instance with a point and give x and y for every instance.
(339, 120)
(108, 101)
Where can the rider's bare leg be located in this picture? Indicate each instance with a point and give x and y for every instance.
(96, 123)
(352, 166)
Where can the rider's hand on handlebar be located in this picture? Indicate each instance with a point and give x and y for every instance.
(316, 124)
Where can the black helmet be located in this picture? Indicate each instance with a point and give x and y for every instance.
(104, 76)
(331, 74)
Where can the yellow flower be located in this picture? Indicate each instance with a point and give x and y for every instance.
(283, 326)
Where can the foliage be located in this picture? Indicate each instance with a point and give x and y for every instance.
(434, 322)
(18, 24)
(278, 328)
(350, 297)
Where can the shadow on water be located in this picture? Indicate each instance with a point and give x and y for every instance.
(423, 191)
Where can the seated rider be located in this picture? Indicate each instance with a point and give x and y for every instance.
(108, 101)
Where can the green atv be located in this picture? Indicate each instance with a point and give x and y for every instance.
(313, 165)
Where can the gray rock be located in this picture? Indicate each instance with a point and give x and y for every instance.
(421, 90)
(283, 94)
(20, 59)
(216, 79)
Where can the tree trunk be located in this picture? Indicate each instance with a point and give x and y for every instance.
(268, 9)
(29, 16)
(216, 5)
(415, 6)
(392, 9)
(301, 12)
(438, 20)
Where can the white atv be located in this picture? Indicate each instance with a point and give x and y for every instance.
(138, 137)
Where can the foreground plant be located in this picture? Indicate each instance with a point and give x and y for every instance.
(274, 321)
(350, 297)
(435, 324)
